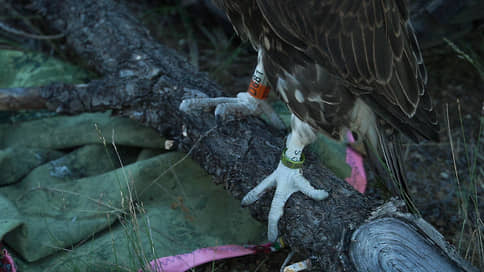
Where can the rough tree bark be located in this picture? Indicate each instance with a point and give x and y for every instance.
(147, 81)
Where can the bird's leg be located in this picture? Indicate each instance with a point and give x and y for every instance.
(288, 177)
(251, 102)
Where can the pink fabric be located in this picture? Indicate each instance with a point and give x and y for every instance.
(355, 160)
(6, 260)
(184, 262)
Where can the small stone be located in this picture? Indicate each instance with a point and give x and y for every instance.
(444, 175)
(184, 131)
(169, 144)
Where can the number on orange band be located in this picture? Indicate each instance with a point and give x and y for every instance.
(258, 90)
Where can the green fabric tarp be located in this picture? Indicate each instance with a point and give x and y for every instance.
(83, 206)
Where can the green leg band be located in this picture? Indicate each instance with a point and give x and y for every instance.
(290, 163)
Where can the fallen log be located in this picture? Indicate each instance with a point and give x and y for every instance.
(146, 81)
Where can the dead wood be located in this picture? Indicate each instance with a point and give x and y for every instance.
(21, 98)
(146, 81)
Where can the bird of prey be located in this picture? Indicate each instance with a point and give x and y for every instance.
(339, 65)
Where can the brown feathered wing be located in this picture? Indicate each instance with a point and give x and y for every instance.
(370, 45)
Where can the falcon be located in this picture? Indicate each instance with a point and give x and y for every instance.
(339, 65)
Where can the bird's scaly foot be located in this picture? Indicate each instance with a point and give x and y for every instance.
(228, 107)
(288, 177)
(247, 103)
(287, 182)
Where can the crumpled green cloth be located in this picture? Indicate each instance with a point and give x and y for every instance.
(17, 162)
(77, 204)
(71, 131)
(9, 217)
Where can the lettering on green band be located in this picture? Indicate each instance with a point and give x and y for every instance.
(290, 163)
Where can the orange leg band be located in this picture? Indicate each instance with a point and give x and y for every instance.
(256, 88)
